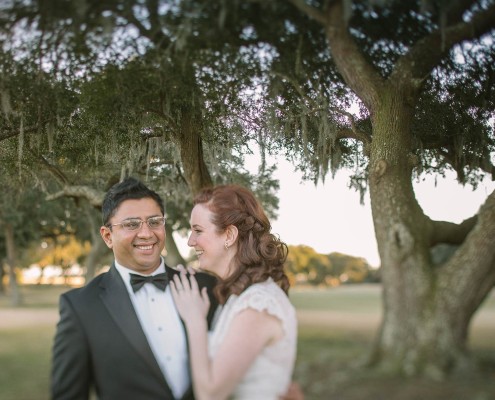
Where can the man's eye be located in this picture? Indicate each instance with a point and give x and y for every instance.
(131, 224)
(155, 222)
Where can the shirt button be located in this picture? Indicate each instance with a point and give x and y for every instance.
(152, 299)
(160, 328)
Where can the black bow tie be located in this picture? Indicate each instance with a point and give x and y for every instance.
(159, 280)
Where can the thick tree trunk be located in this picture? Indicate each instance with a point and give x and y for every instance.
(98, 247)
(427, 307)
(188, 137)
(173, 256)
(42, 273)
(16, 298)
(2, 275)
(428, 304)
(98, 250)
(191, 152)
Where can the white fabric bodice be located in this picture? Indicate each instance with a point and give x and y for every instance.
(270, 374)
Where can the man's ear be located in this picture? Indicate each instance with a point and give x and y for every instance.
(106, 235)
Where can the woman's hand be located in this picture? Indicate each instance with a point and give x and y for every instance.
(293, 393)
(191, 304)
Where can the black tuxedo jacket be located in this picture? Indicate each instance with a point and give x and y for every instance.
(99, 342)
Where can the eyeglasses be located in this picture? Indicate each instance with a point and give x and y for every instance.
(133, 224)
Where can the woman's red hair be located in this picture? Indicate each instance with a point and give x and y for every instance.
(260, 254)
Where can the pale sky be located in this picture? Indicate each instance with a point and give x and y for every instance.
(329, 217)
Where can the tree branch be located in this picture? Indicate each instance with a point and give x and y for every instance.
(457, 9)
(155, 33)
(473, 262)
(95, 197)
(298, 89)
(473, 162)
(426, 54)
(12, 132)
(357, 72)
(56, 172)
(356, 134)
(448, 232)
(353, 133)
(310, 11)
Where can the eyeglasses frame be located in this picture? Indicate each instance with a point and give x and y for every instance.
(140, 223)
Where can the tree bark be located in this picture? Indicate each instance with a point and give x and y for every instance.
(427, 305)
(190, 144)
(173, 256)
(2, 274)
(98, 250)
(16, 297)
(98, 247)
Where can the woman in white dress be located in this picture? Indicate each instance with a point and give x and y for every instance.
(250, 353)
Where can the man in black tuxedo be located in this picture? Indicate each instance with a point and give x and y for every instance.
(121, 333)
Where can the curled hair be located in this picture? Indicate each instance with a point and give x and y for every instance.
(260, 254)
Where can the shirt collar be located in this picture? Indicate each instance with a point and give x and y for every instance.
(124, 273)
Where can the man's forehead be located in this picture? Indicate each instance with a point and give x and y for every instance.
(146, 206)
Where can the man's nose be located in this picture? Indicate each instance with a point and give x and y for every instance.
(144, 230)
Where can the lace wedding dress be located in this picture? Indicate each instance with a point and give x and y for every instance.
(270, 374)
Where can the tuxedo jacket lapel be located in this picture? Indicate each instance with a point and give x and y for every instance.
(115, 297)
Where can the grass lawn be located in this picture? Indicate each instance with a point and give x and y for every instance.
(24, 363)
(336, 329)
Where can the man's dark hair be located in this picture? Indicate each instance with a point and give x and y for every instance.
(129, 188)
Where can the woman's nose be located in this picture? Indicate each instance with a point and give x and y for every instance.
(190, 241)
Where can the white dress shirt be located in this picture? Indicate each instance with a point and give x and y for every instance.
(163, 329)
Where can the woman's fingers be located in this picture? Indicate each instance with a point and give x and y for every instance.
(177, 281)
(184, 279)
(185, 283)
(179, 285)
(191, 302)
(204, 295)
(191, 270)
(173, 289)
(194, 283)
(180, 267)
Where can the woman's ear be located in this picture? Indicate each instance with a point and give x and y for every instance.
(232, 234)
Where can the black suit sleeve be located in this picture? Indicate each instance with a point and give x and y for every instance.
(71, 376)
(208, 281)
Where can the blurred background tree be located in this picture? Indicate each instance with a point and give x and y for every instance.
(306, 266)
